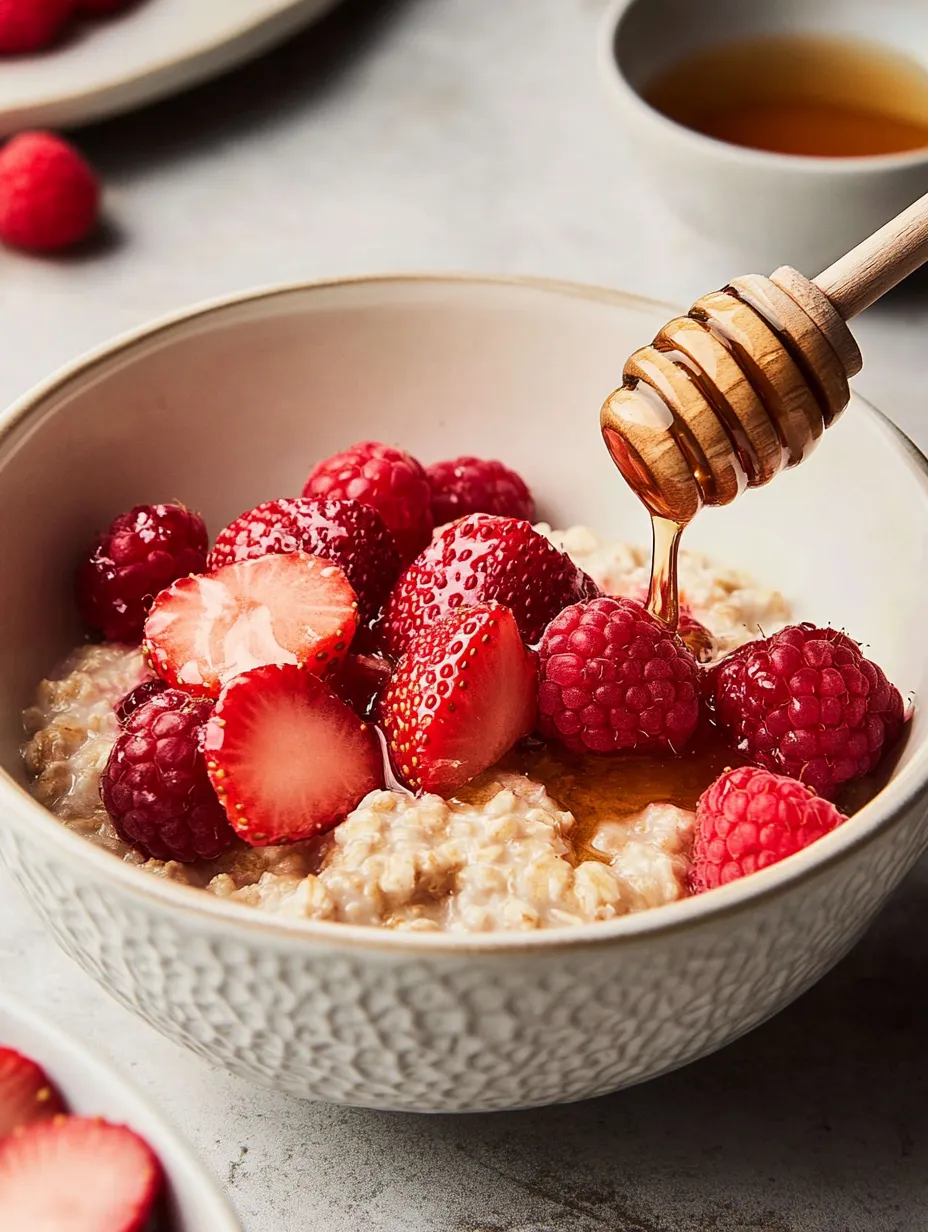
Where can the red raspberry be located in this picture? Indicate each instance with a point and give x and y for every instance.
(346, 532)
(389, 479)
(155, 786)
(484, 559)
(141, 553)
(805, 702)
(141, 694)
(49, 196)
(749, 819)
(614, 677)
(474, 485)
(28, 25)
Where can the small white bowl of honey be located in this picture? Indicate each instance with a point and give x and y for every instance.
(788, 130)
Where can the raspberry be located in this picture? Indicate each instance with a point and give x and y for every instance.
(389, 479)
(474, 485)
(140, 553)
(155, 786)
(141, 694)
(806, 703)
(346, 532)
(749, 819)
(49, 196)
(27, 25)
(614, 677)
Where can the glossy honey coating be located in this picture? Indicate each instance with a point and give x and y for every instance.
(729, 395)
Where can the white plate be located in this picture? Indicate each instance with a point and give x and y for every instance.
(156, 47)
(92, 1088)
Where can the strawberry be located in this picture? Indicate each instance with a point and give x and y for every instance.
(480, 559)
(77, 1174)
(294, 608)
(287, 758)
(461, 696)
(359, 680)
(26, 1095)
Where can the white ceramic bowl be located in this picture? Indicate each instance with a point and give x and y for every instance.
(229, 405)
(769, 209)
(92, 1088)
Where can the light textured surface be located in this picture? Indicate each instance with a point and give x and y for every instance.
(472, 134)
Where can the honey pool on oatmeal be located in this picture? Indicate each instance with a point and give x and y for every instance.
(544, 839)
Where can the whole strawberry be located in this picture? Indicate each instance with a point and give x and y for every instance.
(806, 703)
(749, 819)
(484, 559)
(155, 786)
(476, 485)
(344, 531)
(28, 25)
(140, 553)
(49, 196)
(461, 696)
(390, 480)
(612, 676)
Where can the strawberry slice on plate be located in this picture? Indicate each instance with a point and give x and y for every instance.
(76, 1174)
(26, 1094)
(288, 759)
(292, 608)
(462, 695)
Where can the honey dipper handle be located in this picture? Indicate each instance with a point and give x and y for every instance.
(861, 276)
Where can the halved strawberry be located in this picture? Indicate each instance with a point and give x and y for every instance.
(287, 758)
(26, 1094)
(462, 695)
(76, 1174)
(294, 608)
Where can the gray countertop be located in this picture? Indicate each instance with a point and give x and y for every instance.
(472, 135)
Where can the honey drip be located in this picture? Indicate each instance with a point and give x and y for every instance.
(664, 589)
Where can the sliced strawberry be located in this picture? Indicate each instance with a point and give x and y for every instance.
(461, 696)
(482, 559)
(76, 1174)
(26, 1094)
(293, 608)
(359, 680)
(287, 758)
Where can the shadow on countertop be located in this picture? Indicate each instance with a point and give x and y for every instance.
(297, 74)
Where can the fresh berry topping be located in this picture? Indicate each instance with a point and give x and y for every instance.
(690, 630)
(26, 1095)
(140, 553)
(288, 759)
(477, 560)
(360, 681)
(49, 196)
(141, 694)
(346, 532)
(475, 485)
(102, 7)
(389, 479)
(461, 696)
(750, 818)
(27, 25)
(612, 676)
(155, 787)
(77, 1174)
(805, 702)
(294, 608)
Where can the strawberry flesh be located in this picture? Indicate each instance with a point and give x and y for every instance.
(26, 1094)
(77, 1174)
(461, 696)
(288, 759)
(294, 608)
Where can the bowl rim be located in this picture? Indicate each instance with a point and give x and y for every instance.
(625, 94)
(91, 1063)
(890, 807)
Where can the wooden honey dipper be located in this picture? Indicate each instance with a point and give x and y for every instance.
(744, 385)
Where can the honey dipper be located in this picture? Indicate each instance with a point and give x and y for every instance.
(744, 385)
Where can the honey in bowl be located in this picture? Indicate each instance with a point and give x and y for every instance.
(821, 97)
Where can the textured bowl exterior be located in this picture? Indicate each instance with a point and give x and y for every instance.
(467, 1031)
